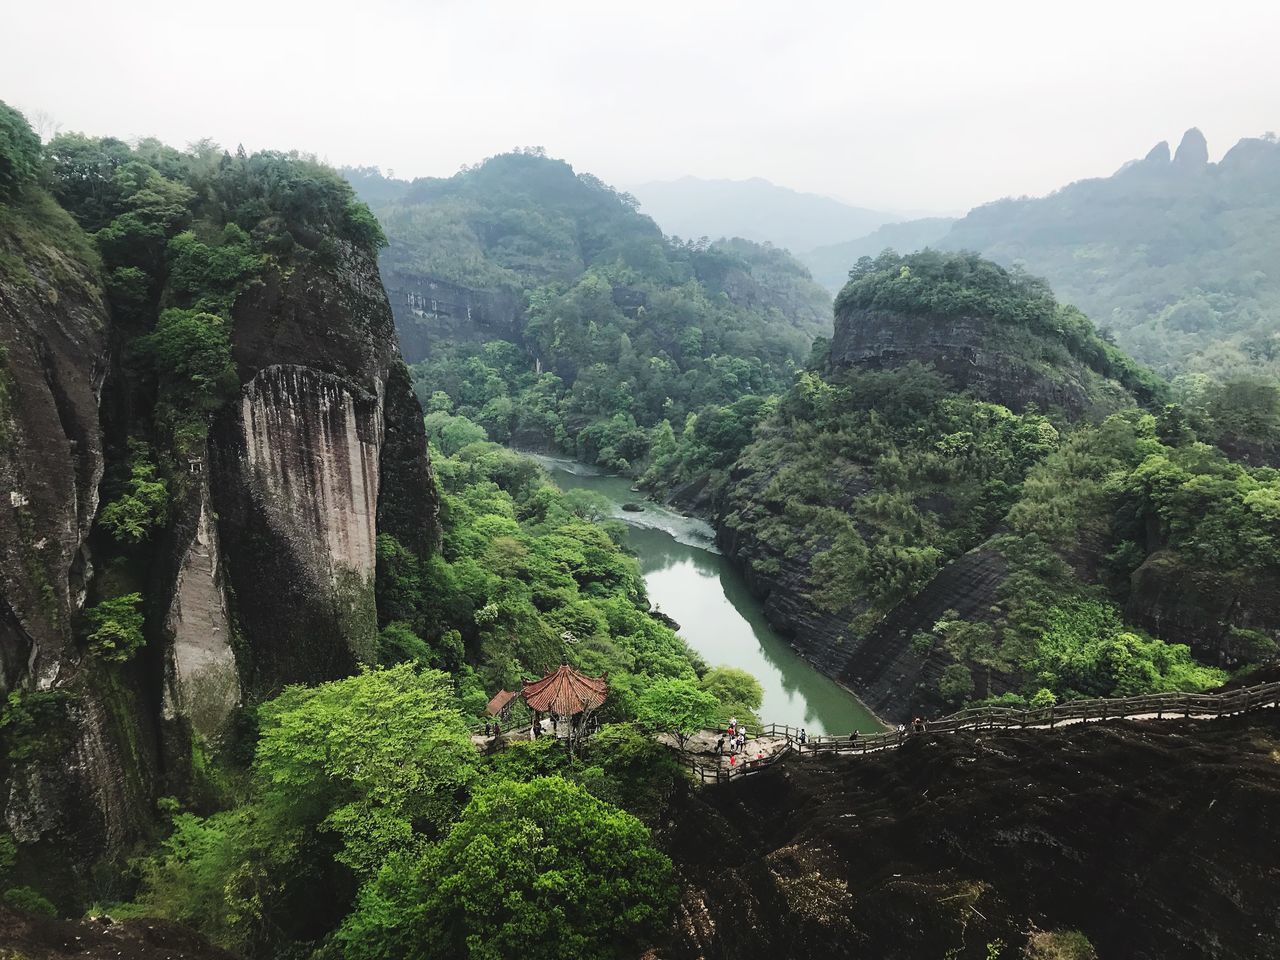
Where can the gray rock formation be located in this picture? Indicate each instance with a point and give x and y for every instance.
(1011, 366)
(1193, 151)
(430, 311)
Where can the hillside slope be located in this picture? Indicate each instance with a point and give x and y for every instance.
(1173, 254)
(970, 502)
(554, 314)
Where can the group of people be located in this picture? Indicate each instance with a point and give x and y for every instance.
(734, 737)
(917, 726)
(492, 729)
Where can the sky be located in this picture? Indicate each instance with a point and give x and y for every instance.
(914, 107)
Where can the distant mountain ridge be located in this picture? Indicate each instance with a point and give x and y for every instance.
(754, 209)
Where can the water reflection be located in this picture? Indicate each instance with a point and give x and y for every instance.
(689, 580)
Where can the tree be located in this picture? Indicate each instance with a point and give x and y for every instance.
(19, 151)
(541, 870)
(737, 692)
(117, 627)
(380, 756)
(678, 706)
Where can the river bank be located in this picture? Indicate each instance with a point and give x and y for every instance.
(690, 581)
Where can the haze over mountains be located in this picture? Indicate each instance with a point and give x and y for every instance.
(755, 209)
(1173, 254)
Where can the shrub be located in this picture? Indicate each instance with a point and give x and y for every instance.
(117, 627)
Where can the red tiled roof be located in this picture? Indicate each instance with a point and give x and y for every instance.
(501, 700)
(564, 692)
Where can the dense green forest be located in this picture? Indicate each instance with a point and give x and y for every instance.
(621, 335)
(366, 794)
(355, 816)
(871, 482)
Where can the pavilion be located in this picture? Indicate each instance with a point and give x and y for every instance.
(568, 698)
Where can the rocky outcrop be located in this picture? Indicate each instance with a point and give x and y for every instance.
(1192, 153)
(430, 312)
(956, 842)
(997, 362)
(1207, 609)
(202, 679)
(297, 468)
(53, 359)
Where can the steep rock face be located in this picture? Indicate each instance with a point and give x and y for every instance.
(1185, 603)
(75, 769)
(430, 312)
(894, 679)
(202, 681)
(53, 359)
(996, 362)
(954, 842)
(296, 469)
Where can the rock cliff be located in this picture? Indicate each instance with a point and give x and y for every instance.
(262, 573)
(76, 763)
(957, 842)
(995, 361)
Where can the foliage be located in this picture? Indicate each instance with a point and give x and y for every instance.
(738, 693)
(678, 706)
(116, 623)
(142, 506)
(27, 900)
(19, 152)
(621, 329)
(542, 869)
(965, 284)
(385, 753)
(932, 473)
(344, 774)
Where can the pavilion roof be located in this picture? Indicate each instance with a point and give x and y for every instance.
(501, 700)
(564, 692)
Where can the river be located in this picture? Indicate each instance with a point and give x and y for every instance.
(690, 581)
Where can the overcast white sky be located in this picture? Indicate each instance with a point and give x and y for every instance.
(922, 105)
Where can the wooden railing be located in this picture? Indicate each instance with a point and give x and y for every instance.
(1157, 706)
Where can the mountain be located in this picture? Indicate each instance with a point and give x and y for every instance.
(830, 265)
(1174, 255)
(756, 210)
(557, 315)
(205, 431)
(970, 499)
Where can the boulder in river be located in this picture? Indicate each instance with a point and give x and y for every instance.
(633, 507)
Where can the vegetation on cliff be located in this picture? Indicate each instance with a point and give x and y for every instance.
(868, 484)
(622, 335)
(1173, 257)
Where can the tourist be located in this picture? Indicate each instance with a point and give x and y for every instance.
(497, 730)
(720, 747)
(902, 729)
(486, 728)
(853, 737)
(804, 737)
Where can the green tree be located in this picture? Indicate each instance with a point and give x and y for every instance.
(677, 706)
(19, 151)
(384, 754)
(117, 627)
(737, 692)
(542, 870)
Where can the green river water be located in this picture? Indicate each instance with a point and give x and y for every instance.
(690, 581)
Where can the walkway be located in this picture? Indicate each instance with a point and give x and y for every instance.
(776, 741)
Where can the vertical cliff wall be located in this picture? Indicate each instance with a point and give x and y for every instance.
(297, 469)
(75, 763)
